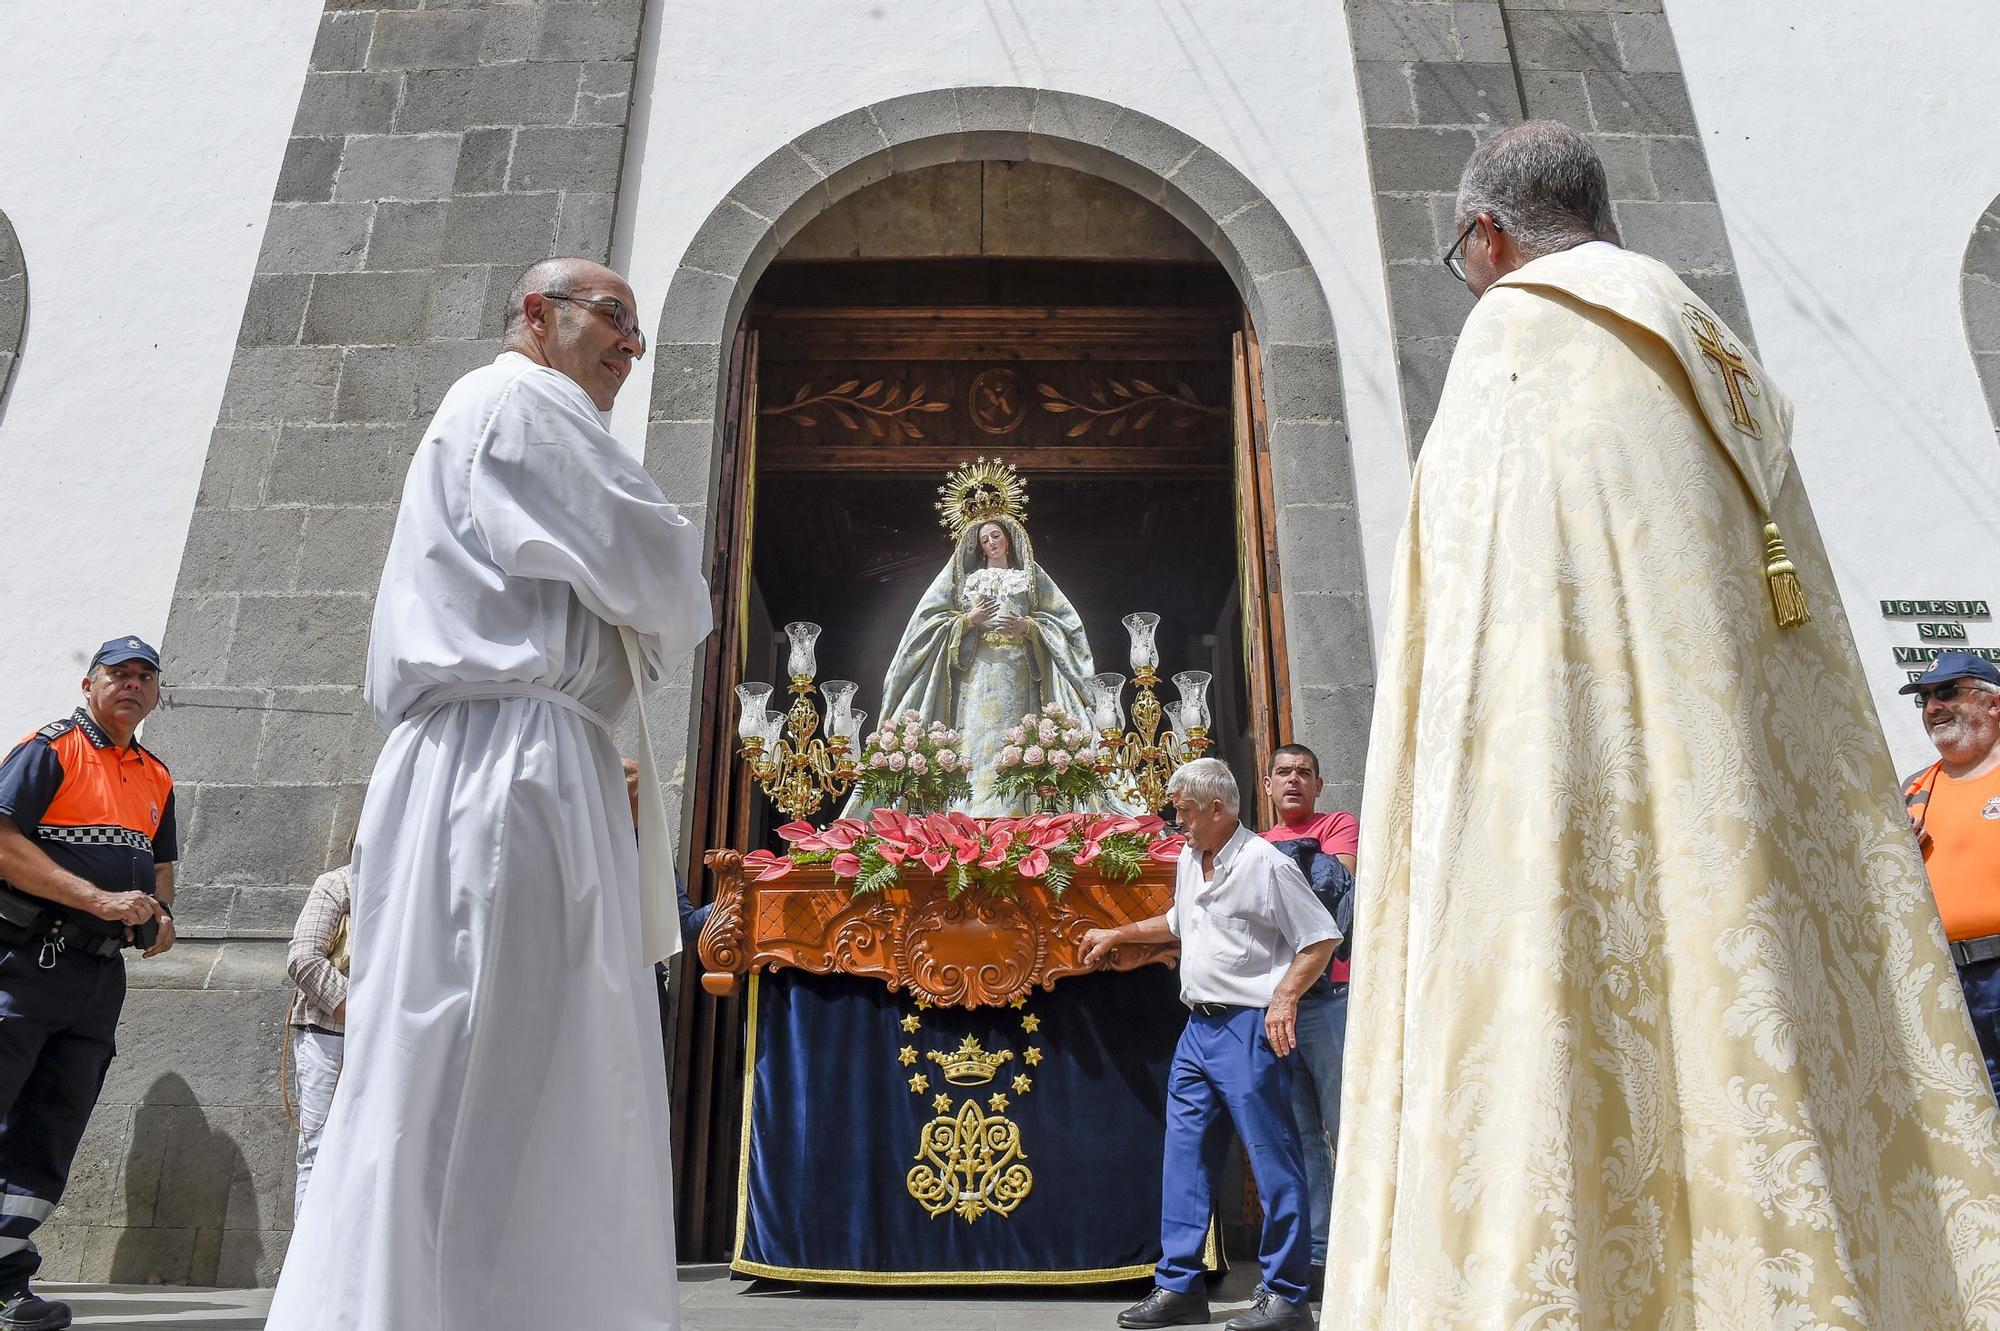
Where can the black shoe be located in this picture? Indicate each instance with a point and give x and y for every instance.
(24, 1310)
(1271, 1313)
(1166, 1307)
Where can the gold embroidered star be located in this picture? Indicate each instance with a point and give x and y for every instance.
(919, 1082)
(1031, 1023)
(1022, 1001)
(942, 1103)
(923, 1000)
(1032, 1057)
(1022, 1085)
(998, 1102)
(908, 1056)
(911, 1022)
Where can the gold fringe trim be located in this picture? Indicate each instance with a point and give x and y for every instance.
(1788, 598)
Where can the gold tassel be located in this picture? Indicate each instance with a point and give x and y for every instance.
(1788, 599)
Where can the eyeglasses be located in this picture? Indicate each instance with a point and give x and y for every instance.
(1943, 693)
(1454, 258)
(612, 308)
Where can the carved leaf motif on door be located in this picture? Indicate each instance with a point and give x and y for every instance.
(882, 411)
(1134, 404)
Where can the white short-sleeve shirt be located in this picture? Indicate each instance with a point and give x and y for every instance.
(1240, 930)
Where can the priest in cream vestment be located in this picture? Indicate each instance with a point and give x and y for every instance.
(1652, 1023)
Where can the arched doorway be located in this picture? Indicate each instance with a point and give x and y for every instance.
(1264, 483)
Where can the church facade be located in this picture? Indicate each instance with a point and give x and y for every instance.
(244, 248)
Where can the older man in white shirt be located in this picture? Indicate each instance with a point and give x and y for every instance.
(1253, 938)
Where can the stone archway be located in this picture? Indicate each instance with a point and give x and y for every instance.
(1326, 614)
(1979, 299)
(13, 304)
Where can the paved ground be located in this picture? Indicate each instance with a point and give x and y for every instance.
(710, 1301)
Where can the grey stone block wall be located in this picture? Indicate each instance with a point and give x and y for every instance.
(1437, 77)
(13, 303)
(437, 150)
(1979, 294)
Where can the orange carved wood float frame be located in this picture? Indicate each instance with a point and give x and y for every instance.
(979, 950)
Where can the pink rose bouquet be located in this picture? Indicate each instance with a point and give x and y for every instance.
(913, 764)
(1049, 762)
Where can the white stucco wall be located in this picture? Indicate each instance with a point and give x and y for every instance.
(1853, 145)
(1270, 87)
(139, 148)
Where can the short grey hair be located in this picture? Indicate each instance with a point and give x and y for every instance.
(1203, 780)
(555, 277)
(1541, 183)
(1976, 685)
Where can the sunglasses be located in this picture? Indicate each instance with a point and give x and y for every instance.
(1943, 693)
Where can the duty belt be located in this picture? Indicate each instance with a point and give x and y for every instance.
(1975, 950)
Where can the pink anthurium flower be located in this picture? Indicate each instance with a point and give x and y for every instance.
(1167, 849)
(841, 835)
(767, 865)
(996, 852)
(936, 857)
(1034, 864)
(847, 865)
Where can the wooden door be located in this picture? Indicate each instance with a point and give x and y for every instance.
(707, 1036)
(1266, 670)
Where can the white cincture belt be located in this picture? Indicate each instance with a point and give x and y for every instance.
(477, 690)
(659, 905)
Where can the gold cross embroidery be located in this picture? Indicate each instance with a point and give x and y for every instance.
(1729, 362)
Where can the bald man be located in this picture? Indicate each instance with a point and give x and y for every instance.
(496, 1156)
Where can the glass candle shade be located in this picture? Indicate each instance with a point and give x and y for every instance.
(802, 661)
(753, 699)
(839, 695)
(1142, 625)
(1172, 712)
(1107, 701)
(773, 729)
(1193, 685)
(848, 727)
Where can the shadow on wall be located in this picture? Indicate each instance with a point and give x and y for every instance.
(192, 1170)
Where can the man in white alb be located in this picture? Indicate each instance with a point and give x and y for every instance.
(496, 1158)
(1253, 938)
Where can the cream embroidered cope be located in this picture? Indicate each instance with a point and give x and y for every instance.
(1651, 1021)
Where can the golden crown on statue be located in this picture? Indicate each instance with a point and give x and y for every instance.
(970, 1064)
(978, 491)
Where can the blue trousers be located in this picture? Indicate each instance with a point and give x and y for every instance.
(1224, 1066)
(1316, 1101)
(56, 1042)
(1981, 982)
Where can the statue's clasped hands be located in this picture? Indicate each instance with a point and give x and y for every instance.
(987, 611)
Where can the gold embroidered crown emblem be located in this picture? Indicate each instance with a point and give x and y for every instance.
(978, 491)
(970, 1064)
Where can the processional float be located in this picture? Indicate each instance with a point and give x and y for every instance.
(926, 922)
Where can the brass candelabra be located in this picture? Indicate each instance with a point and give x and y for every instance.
(1143, 759)
(797, 769)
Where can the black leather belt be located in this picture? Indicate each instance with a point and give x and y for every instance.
(1975, 950)
(1218, 1009)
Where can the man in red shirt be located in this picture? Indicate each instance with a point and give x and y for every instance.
(1954, 807)
(1294, 785)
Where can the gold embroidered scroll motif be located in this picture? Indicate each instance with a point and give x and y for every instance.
(970, 1161)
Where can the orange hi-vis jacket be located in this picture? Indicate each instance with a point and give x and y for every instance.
(102, 812)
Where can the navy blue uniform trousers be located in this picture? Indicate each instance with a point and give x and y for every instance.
(1981, 982)
(1224, 1065)
(57, 1029)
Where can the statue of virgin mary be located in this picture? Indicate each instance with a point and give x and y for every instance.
(994, 638)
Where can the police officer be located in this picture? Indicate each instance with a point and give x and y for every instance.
(87, 850)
